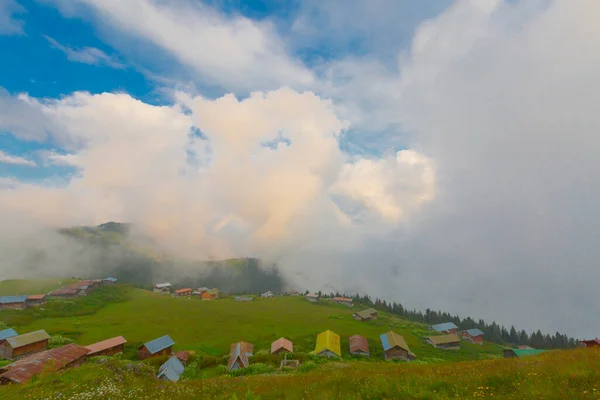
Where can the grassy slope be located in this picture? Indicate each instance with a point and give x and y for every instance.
(32, 286)
(211, 326)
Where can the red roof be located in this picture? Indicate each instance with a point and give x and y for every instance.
(282, 343)
(182, 355)
(341, 299)
(36, 297)
(21, 371)
(183, 290)
(594, 342)
(358, 343)
(105, 345)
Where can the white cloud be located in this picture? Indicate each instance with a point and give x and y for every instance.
(87, 55)
(230, 52)
(6, 158)
(9, 25)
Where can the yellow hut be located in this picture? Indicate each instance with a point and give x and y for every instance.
(328, 344)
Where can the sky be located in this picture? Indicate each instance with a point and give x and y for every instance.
(439, 153)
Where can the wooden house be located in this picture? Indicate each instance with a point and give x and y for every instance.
(109, 281)
(23, 370)
(446, 327)
(395, 347)
(312, 297)
(473, 336)
(343, 300)
(237, 358)
(5, 334)
(108, 347)
(13, 302)
(513, 353)
(23, 345)
(248, 348)
(328, 344)
(163, 288)
(211, 294)
(449, 341)
(359, 346)
(183, 356)
(282, 345)
(366, 315)
(36, 300)
(162, 346)
(183, 292)
(171, 370)
(591, 343)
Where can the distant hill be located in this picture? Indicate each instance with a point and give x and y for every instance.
(115, 252)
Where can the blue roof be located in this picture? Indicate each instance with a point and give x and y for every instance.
(385, 342)
(446, 326)
(111, 279)
(8, 333)
(171, 369)
(156, 345)
(474, 332)
(12, 299)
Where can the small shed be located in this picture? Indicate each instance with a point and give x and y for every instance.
(248, 348)
(162, 346)
(183, 292)
(108, 347)
(512, 353)
(171, 370)
(366, 315)
(448, 342)
(473, 335)
(312, 297)
(237, 358)
(446, 327)
(23, 370)
(109, 281)
(162, 288)
(5, 334)
(359, 346)
(328, 344)
(13, 302)
(211, 294)
(35, 300)
(395, 347)
(22, 345)
(343, 300)
(591, 343)
(282, 345)
(183, 356)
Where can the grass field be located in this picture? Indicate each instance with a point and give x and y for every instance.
(207, 328)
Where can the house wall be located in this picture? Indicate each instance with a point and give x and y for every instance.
(23, 351)
(396, 353)
(477, 340)
(35, 303)
(161, 290)
(208, 296)
(143, 353)
(359, 353)
(451, 330)
(14, 306)
(109, 352)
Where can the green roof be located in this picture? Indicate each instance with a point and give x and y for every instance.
(526, 352)
(27, 338)
(367, 313)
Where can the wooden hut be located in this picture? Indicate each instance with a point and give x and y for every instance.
(248, 348)
(183, 356)
(446, 327)
(162, 346)
(211, 294)
(473, 336)
(23, 370)
(591, 343)
(395, 347)
(13, 302)
(5, 334)
(312, 297)
(108, 347)
(343, 300)
(282, 345)
(366, 315)
(162, 288)
(359, 346)
(36, 300)
(448, 342)
(22, 345)
(171, 370)
(328, 344)
(109, 281)
(237, 358)
(183, 292)
(512, 353)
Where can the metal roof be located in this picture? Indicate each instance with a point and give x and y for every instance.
(592, 342)
(368, 313)
(27, 338)
(446, 326)
(474, 332)
(105, 344)
(202, 289)
(110, 279)
(182, 355)
(345, 299)
(358, 343)
(526, 352)
(183, 290)
(22, 370)
(156, 345)
(12, 299)
(237, 354)
(214, 291)
(392, 339)
(36, 297)
(171, 369)
(282, 343)
(444, 339)
(7, 333)
(312, 295)
(328, 340)
(247, 347)
(162, 285)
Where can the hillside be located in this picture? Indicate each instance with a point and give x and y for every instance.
(207, 328)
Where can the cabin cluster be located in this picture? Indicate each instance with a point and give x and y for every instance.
(202, 293)
(313, 298)
(449, 336)
(80, 288)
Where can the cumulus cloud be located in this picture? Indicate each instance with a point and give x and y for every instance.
(87, 55)
(9, 25)
(6, 158)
